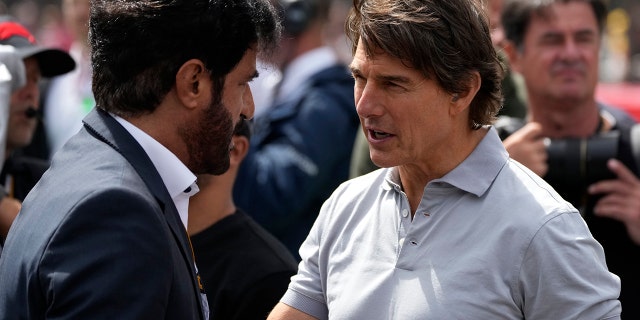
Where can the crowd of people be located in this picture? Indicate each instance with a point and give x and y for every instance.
(248, 159)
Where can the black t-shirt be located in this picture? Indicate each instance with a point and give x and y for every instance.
(244, 269)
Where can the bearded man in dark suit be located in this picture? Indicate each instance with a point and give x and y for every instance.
(102, 235)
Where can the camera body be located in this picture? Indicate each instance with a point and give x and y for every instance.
(575, 163)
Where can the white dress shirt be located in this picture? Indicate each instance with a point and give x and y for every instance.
(177, 178)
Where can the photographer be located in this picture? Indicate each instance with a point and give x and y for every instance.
(581, 147)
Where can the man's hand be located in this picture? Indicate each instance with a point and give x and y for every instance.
(621, 199)
(527, 146)
(9, 208)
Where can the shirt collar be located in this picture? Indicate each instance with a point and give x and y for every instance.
(177, 178)
(475, 174)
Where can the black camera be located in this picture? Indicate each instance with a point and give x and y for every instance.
(579, 162)
(574, 163)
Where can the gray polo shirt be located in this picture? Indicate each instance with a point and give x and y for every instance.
(489, 240)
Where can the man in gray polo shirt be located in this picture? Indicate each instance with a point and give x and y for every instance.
(451, 227)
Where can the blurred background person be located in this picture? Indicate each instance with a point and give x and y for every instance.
(12, 78)
(245, 269)
(69, 98)
(301, 146)
(580, 146)
(514, 102)
(20, 172)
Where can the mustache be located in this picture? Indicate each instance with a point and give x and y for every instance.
(564, 65)
(243, 127)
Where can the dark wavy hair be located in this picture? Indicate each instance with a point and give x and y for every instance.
(446, 40)
(516, 15)
(138, 46)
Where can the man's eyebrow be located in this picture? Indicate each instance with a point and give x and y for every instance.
(393, 78)
(585, 33)
(552, 35)
(384, 78)
(354, 70)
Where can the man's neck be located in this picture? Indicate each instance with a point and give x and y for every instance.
(208, 207)
(415, 177)
(566, 119)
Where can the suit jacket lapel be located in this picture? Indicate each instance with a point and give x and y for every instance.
(107, 129)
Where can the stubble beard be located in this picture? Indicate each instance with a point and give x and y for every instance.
(209, 139)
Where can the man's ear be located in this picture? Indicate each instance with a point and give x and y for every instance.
(461, 101)
(193, 83)
(240, 149)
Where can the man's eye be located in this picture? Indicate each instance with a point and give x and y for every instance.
(390, 84)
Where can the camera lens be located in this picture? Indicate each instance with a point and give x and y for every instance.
(575, 163)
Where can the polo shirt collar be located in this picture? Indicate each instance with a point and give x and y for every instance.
(474, 175)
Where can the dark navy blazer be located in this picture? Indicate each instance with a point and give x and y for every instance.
(99, 237)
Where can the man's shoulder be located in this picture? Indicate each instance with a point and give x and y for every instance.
(536, 199)
(364, 189)
(363, 182)
(84, 168)
(622, 118)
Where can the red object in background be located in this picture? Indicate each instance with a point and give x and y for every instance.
(625, 96)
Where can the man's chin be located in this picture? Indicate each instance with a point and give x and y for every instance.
(219, 168)
(383, 162)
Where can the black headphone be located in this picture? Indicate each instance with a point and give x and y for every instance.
(297, 14)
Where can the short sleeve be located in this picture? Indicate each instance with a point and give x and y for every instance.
(306, 290)
(564, 274)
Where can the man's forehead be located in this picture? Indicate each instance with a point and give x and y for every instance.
(380, 60)
(366, 55)
(556, 12)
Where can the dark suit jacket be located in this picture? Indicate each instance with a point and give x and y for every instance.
(99, 237)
